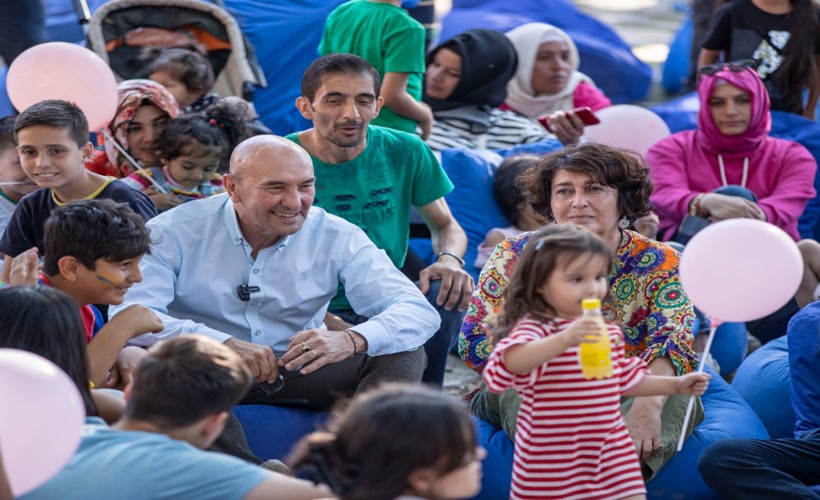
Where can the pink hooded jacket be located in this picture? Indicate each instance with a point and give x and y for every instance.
(780, 172)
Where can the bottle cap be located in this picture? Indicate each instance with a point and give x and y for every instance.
(588, 304)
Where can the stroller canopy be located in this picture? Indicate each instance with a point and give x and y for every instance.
(120, 30)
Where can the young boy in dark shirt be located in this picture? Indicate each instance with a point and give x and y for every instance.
(52, 140)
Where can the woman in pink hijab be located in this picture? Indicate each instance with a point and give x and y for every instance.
(730, 147)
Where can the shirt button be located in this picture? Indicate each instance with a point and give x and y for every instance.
(257, 332)
(237, 239)
(256, 271)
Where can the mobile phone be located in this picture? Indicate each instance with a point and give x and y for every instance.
(584, 113)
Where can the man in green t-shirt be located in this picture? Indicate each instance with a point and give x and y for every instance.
(372, 176)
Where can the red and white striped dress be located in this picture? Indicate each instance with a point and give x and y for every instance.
(570, 440)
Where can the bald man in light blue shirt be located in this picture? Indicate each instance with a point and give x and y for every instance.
(256, 268)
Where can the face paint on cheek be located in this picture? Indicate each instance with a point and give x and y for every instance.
(105, 280)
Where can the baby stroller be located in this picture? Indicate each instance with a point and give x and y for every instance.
(120, 30)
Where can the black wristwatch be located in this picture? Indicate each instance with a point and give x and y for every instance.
(451, 254)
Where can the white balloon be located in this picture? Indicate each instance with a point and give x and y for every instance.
(740, 269)
(41, 419)
(627, 126)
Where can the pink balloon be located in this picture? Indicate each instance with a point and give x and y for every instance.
(59, 70)
(41, 419)
(629, 127)
(741, 269)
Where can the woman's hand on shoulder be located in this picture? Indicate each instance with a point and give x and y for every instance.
(721, 207)
(648, 225)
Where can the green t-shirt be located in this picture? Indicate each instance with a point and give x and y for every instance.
(388, 38)
(376, 189)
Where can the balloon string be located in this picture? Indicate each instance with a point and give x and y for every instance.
(145, 173)
(701, 366)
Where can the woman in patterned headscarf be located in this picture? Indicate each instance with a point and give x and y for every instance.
(600, 188)
(143, 108)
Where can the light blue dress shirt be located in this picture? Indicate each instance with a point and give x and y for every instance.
(199, 257)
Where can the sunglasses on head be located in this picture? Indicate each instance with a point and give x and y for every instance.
(733, 66)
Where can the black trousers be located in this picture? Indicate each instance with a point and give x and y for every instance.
(752, 469)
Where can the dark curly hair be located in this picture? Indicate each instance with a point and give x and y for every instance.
(374, 445)
(618, 168)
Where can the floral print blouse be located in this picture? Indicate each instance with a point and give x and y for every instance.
(646, 300)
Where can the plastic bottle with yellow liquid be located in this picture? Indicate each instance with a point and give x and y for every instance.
(595, 358)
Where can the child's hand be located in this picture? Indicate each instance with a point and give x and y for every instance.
(136, 320)
(693, 383)
(426, 124)
(163, 201)
(25, 268)
(583, 330)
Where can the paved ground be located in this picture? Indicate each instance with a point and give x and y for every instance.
(648, 26)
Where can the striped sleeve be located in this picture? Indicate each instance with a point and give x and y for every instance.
(136, 181)
(497, 377)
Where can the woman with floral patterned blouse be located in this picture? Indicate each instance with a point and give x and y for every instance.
(600, 188)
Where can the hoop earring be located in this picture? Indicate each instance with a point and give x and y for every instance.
(624, 222)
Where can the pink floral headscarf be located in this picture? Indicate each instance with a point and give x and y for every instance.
(131, 94)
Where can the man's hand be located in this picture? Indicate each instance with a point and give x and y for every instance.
(310, 350)
(259, 359)
(456, 285)
(135, 320)
(24, 268)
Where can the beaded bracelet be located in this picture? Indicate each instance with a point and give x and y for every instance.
(352, 339)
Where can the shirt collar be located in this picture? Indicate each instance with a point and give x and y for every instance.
(235, 232)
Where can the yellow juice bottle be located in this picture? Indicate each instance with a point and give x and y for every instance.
(595, 358)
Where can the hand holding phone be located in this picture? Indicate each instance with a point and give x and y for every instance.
(585, 114)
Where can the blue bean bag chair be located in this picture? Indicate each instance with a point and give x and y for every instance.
(804, 360)
(6, 108)
(605, 57)
(763, 381)
(726, 416)
(676, 67)
(273, 430)
(729, 346)
(471, 200)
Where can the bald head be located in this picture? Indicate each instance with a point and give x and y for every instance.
(271, 185)
(266, 151)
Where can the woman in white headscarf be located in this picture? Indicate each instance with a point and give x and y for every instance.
(548, 83)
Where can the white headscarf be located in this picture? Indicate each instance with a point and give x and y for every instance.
(520, 94)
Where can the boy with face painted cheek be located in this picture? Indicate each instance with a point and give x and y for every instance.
(93, 250)
(52, 141)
